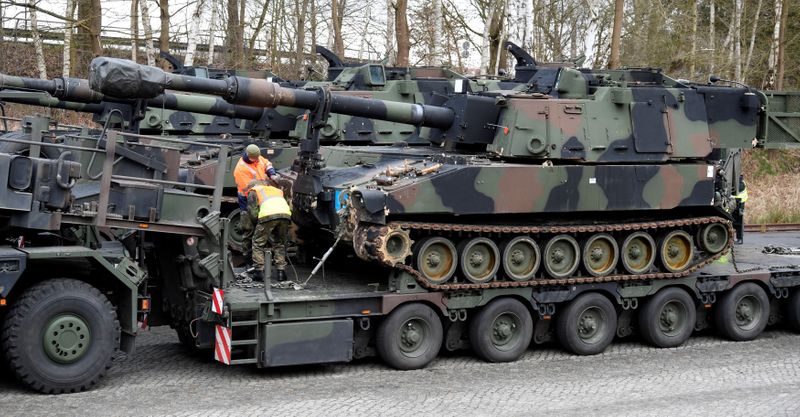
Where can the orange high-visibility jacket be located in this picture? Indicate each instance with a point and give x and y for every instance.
(245, 173)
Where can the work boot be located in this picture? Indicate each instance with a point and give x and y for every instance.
(258, 275)
(281, 275)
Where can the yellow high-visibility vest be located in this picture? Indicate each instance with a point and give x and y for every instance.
(742, 196)
(271, 202)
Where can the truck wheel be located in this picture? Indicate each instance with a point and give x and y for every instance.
(667, 318)
(743, 312)
(587, 325)
(60, 336)
(793, 311)
(501, 331)
(410, 338)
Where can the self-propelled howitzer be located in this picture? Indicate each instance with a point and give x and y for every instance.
(618, 175)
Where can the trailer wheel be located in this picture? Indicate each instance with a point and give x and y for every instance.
(667, 318)
(793, 311)
(410, 338)
(587, 325)
(743, 312)
(60, 336)
(501, 331)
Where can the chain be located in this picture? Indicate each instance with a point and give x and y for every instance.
(735, 263)
(557, 229)
(780, 250)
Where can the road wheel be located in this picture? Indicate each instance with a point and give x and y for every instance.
(638, 252)
(501, 331)
(436, 259)
(480, 259)
(521, 258)
(713, 238)
(743, 312)
(60, 336)
(667, 318)
(561, 256)
(235, 236)
(676, 251)
(410, 338)
(587, 325)
(600, 254)
(793, 311)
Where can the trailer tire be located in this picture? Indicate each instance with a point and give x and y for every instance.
(501, 331)
(587, 325)
(743, 312)
(60, 311)
(410, 338)
(793, 311)
(667, 318)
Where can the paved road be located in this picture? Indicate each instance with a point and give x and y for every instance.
(707, 376)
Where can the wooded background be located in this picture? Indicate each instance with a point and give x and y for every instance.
(752, 41)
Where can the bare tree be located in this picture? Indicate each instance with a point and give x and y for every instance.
(436, 58)
(41, 67)
(251, 44)
(66, 67)
(774, 50)
(337, 10)
(711, 35)
(134, 29)
(300, 31)
(616, 34)
(191, 45)
(150, 50)
(693, 54)
(88, 36)
(234, 42)
(782, 46)
(401, 26)
(212, 30)
(389, 34)
(737, 40)
(163, 36)
(752, 42)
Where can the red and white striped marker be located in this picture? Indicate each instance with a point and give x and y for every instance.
(216, 301)
(222, 350)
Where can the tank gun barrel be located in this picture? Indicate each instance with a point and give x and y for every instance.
(127, 79)
(76, 94)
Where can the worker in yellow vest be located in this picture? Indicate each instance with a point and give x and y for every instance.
(268, 205)
(738, 217)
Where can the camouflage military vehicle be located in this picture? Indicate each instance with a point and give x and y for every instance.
(80, 276)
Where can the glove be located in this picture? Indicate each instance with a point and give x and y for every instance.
(271, 172)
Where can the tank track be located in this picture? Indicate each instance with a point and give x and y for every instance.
(368, 241)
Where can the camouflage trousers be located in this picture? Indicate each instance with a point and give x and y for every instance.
(246, 226)
(270, 235)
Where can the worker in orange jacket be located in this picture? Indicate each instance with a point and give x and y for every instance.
(251, 168)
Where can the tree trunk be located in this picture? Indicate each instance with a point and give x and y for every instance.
(436, 59)
(527, 38)
(163, 37)
(401, 24)
(134, 29)
(191, 45)
(693, 55)
(150, 50)
(88, 36)
(712, 37)
(774, 50)
(782, 47)
(737, 40)
(485, 39)
(66, 68)
(41, 67)
(337, 10)
(233, 36)
(389, 34)
(752, 42)
(251, 43)
(301, 6)
(212, 30)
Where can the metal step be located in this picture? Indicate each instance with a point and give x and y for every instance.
(243, 361)
(244, 323)
(244, 342)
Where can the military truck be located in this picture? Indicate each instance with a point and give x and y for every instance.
(153, 251)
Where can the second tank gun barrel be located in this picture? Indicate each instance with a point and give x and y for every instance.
(127, 79)
(76, 94)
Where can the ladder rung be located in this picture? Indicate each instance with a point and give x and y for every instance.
(245, 323)
(244, 342)
(243, 361)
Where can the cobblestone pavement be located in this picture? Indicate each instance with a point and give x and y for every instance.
(707, 376)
